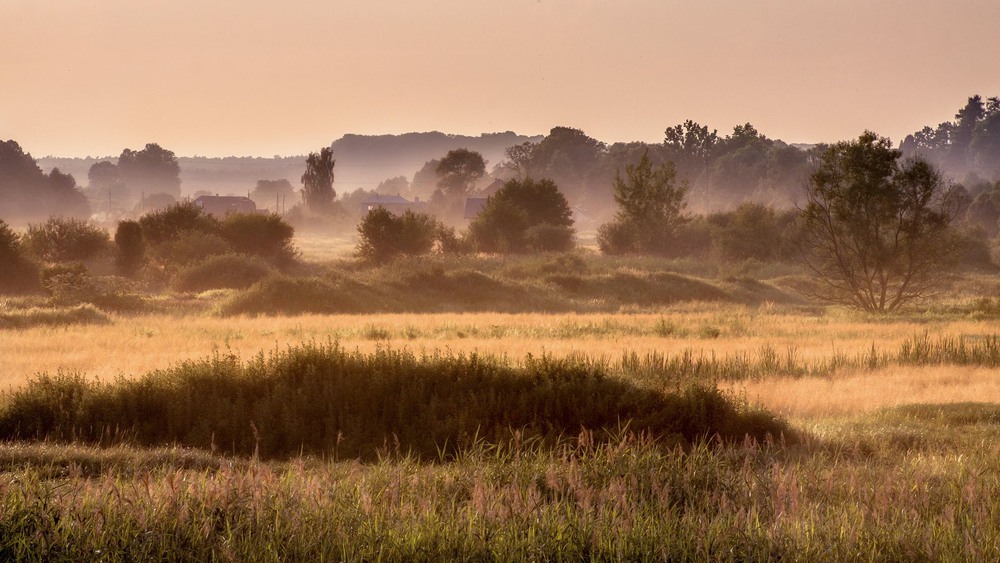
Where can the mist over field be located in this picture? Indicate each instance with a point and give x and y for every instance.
(557, 280)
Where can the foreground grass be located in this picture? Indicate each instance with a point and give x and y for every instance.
(906, 484)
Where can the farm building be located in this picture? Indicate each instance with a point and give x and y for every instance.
(395, 204)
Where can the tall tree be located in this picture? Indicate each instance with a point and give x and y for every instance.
(650, 209)
(457, 174)
(152, 170)
(27, 194)
(877, 228)
(317, 182)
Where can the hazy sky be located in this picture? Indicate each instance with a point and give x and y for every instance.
(286, 77)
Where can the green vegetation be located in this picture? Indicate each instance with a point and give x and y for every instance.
(321, 399)
(232, 271)
(65, 240)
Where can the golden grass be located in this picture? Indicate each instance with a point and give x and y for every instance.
(134, 345)
(852, 394)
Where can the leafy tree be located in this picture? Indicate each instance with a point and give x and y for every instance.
(651, 202)
(152, 170)
(65, 239)
(394, 186)
(131, 246)
(272, 192)
(690, 147)
(106, 186)
(28, 194)
(425, 180)
(877, 229)
(317, 182)
(383, 235)
(519, 158)
(527, 215)
(458, 172)
(167, 224)
(260, 234)
(17, 273)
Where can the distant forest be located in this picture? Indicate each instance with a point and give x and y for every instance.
(722, 170)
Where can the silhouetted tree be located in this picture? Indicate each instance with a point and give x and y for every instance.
(650, 202)
(152, 170)
(28, 194)
(457, 173)
(317, 182)
(106, 188)
(526, 215)
(877, 230)
(131, 247)
(273, 193)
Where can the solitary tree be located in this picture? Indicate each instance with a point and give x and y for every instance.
(651, 202)
(527, 215)
(877, 230)
(317, 182)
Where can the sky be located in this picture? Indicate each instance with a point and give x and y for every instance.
(256, 77)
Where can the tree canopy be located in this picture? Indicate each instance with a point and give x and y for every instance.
(152, 170)
(524, 215)
(877, 228)
(317, 182)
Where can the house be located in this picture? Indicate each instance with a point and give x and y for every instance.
(222, 205)
(395, 204)
(475, 204)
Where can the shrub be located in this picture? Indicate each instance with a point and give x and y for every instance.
(228, 271)
(322, 399)
(72, 285)
(259, 234)
(168, 224)
(524, 216)
(282, 295)
(18, 274)
(190, 247)
(382, 234)
(64, 240)
(131, 246)
(751, 231)
(616, 237)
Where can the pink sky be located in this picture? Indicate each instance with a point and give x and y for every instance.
(251, 77)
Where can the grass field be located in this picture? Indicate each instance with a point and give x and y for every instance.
(732, 428)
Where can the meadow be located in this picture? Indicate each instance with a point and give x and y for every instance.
(718, 417)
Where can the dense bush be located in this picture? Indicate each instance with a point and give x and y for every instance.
(72, 285)
(189, 247)
(65, 240)
(524, 216)
(263, 235)
(169, 223)
(281, 295)
(17, 273)
(131, 247)
(321, 399)
(230, 271)
(382, 234)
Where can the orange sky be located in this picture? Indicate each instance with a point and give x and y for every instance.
(253, 77)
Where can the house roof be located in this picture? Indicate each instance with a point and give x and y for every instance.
(230, 199)
(379, 198)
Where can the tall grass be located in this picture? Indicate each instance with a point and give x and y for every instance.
(322, 399)
(619, 499)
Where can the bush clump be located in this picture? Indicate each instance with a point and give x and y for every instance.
(18, 274)
(65, 240)
(263, 235)
(131, 247)
(383, 234)
(322, 399)
(524, 216)
(227, 271)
